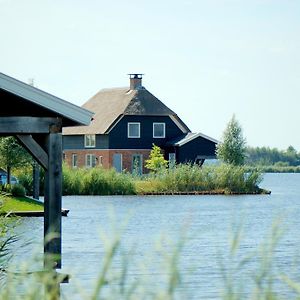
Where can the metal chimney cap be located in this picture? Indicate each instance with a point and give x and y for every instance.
(136, 75)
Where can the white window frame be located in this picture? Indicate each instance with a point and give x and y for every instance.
(73, 160)
(128, 131)
(164, 127)
(92, 138)
(90, 165)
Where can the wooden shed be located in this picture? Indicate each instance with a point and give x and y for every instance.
(36, 119)
(193, 148)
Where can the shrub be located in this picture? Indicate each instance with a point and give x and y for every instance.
(17, 190)
(191, 177)
(96, 181)
(25, 178)
(72, 181)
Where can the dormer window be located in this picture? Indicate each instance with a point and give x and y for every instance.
(90, 141)
(134, 130)
(159, 130)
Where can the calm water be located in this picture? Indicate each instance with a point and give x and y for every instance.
(208, 222)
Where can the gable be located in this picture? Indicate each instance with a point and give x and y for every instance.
(110, 105)
(25, 100)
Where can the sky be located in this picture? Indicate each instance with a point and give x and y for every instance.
(205, 59)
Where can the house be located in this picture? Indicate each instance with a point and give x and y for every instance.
(127, 122)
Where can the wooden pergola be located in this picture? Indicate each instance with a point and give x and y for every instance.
(36, 118)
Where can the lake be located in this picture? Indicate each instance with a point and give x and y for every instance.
(151, 223)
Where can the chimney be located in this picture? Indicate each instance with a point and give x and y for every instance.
(135, 81)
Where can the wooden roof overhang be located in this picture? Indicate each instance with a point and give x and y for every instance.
(36, 119)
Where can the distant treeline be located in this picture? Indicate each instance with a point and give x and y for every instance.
(265, 156)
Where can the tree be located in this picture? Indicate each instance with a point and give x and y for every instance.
(156, 160)
(232, 149)
(12, 155)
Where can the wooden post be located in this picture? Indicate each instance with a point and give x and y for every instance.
(52, 202)
(36, 180)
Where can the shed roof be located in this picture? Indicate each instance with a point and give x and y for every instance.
(110, 105)
(38, 103)
(180, 141)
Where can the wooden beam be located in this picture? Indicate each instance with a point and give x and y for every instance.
(28, 125)
(34, 149)
(52, 202)
(36, 180)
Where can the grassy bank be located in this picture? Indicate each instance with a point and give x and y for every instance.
(185, 178)
(13, 204)
(223, 179)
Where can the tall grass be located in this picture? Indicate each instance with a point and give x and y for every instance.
(7, 240)
(96, 181)
(192, 178)
(23, 283)
(245, 275)
(182, 178)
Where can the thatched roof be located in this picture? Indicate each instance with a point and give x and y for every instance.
(109, 105)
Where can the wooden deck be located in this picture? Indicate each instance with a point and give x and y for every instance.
(40, 213)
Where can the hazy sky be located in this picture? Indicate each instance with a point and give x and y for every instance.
(205, 59)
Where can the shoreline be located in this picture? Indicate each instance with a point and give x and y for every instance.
(260, 192)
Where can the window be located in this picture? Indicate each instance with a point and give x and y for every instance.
(90, 160)
(133, 130)
(90, 140)
(159, 130)
(74, 160)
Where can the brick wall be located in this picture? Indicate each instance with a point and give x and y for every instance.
(81, 157)
(127, 158)
(107, 157)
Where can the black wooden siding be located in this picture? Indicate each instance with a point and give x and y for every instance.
(72, 142)
(118, 136)
(199, 146)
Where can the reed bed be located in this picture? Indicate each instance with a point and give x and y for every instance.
(223, 179)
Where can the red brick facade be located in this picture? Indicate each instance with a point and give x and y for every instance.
(106, 157)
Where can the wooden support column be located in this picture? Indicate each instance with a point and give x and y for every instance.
(36, 180)
(52, 201)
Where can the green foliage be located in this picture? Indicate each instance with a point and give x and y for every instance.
(26, 180)
(7, 239)
(110, 283)
(265, 156)
(96, 181)
(236, 179)
(186, 178)
(181, 178)
(12, 155)
(156, 160)
(14, 203)
(73, 180)
(14, 189)
(232, 149)
(246, 273)
(224, 178)
(17, 190)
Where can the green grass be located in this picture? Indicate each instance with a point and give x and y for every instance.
(184, 178)
(14, 204)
